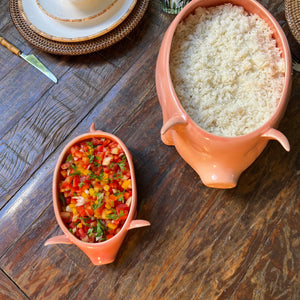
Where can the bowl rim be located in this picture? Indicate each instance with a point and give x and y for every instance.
(285, 53)
(55, 181)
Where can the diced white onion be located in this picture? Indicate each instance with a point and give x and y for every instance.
(85, 239)
(115, 150)
(69, 209)
(106, 161)
(80, 200)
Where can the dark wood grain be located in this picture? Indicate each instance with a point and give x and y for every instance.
(203, 243)
(8, 289)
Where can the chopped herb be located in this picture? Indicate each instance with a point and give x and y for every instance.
(75, 173)
(121, 164)
(117, 176)
(91, 158)
(117, 194)
(100, 202)
(99, 196)
(115, 216)
(90, 232)
(62, 199)
(100, 229)
(74, 167)
(100, 177)
(85, 219)
(90, 144)
(111, 166)
(69, 158)
(112, 216)
(81, 184)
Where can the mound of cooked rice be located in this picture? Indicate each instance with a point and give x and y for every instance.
(226, 69)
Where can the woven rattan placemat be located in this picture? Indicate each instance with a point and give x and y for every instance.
(292, 14)
(77, 48)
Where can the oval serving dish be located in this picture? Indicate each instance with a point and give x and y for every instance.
(104, 252)
(218, 160)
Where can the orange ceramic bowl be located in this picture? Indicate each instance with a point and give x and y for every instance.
(103, 252)
(218, 160)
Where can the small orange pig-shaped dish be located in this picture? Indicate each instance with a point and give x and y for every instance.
(101, 249)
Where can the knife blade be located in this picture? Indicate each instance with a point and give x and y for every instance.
(31, 59)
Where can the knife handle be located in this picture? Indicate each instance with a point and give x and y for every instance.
(9, 46)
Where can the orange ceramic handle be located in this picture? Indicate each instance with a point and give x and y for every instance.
(274, 134)
(60, 239)
(138, 223)
(92, 128)
(9, 46)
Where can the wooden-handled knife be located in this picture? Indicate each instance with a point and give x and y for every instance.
(29, 58)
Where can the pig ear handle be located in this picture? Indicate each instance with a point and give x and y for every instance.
(138, 224)
(92, 128)
(60, 239)
(171, 123)
(273, 134)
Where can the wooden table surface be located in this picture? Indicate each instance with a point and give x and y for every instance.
(203, 243)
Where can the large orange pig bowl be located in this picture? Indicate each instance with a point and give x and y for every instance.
(218, 160)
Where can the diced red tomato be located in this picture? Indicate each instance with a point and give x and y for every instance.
(65, 166)
(76, 181)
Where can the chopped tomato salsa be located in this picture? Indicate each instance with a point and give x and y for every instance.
(95, 189)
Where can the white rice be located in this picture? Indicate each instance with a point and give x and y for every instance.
(227, 72)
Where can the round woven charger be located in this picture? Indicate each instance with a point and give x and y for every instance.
(77, 48)
(292, 14)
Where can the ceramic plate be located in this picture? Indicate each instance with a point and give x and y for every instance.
(61, 31)
(74, 10)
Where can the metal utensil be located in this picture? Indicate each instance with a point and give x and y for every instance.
(29, 58)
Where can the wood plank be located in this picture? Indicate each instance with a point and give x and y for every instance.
(44, 125)
(275, 271)
(34, 267)
(8, 289)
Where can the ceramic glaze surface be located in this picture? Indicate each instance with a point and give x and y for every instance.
(103, 252)
(219, 161)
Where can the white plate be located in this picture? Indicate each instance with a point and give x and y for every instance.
(74, 31)
(75, 11)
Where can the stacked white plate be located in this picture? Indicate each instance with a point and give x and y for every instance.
(74, 20)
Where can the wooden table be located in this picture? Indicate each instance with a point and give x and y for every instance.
(203, 243)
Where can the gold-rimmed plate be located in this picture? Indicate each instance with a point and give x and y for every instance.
(75, 10)
(61, 31)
